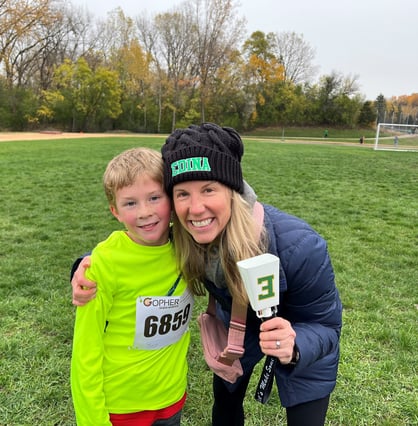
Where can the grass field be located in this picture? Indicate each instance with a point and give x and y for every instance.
(365, 203)
(340, 136)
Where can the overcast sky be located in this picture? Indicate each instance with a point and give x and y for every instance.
(376, 40)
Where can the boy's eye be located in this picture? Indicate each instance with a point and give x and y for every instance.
(155, 198)
(130, 203)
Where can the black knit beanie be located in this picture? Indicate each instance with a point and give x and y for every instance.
(205, 152)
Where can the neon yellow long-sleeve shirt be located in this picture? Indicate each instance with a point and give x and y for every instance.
(109, 374)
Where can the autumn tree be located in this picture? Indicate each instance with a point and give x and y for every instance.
(265, 76)
(218, 30)
(65, 35)
(35, 38)
(148, 38)
(403, 109)
(230, 103)
(18, 20)
(135, 80)
(296, 55)
(114, 33)
(158, 52)
(189, 45)
(120, 50)
(85, 97)
(413, 105)
(334, 100)
(175, 49)
(20, 24)
(262, 62)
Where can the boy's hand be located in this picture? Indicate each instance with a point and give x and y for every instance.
(84, 290)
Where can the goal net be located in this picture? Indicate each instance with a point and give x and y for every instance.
(396, 137)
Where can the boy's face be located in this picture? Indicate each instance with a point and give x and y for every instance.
(145, 209)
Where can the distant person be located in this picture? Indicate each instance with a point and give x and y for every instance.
(362, 140)
(396, 140)
(325, 133)
(129, 364)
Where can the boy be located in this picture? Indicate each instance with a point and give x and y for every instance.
(130, 343)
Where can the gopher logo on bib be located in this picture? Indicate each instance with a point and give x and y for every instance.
(161, 321)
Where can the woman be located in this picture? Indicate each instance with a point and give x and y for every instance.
(213, 228)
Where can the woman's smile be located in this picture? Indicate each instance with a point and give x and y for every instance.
(201, 223)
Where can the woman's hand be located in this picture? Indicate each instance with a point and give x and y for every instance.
(84, 290)
(277, 338)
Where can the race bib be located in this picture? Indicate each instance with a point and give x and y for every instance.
(161, 320)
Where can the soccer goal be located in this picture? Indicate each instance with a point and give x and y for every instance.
(396, 137)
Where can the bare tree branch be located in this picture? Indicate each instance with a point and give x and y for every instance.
(297, 57)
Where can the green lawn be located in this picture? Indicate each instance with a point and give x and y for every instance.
(363, 202)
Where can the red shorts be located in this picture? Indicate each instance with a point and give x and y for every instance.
(147, 417)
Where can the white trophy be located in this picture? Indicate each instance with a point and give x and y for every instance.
(261, 277)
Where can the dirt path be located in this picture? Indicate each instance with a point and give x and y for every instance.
(27, 136)
(33, 136)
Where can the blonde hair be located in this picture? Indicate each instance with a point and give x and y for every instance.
(239, 240)
(123, 170)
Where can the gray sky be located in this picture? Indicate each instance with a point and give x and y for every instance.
(375, 40)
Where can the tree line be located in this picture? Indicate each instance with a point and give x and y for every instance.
(62, 68)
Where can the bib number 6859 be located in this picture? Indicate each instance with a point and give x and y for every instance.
(162, 325)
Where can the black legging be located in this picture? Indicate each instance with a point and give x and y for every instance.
(311, 413)
(228, 407)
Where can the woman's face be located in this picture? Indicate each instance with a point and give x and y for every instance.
(203, 208)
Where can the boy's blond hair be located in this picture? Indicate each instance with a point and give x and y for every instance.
(124, 169)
